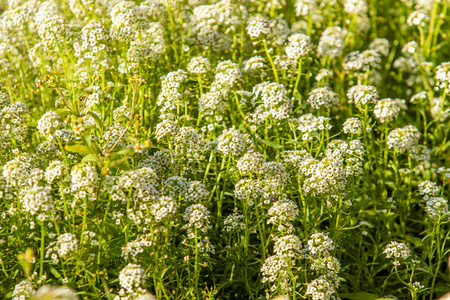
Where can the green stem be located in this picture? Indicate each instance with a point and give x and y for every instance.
(41, 263)
(269, 57)
(196, 277)
(299, 74)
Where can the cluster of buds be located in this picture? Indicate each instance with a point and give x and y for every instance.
(47, 80)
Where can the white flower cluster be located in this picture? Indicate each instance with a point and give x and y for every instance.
(166, 128)
(207, 36)
(358, 7)
(159, 161)
(227, 77)
(195, 192)
(133, 248)
(442, 76)
(144, 181)
(276, 270)
(94, 40)
(248, 189)
(35, 178)
(403, 138)
(250, 163)
(381, 46)
(84, 181)
(352, 126)
(397, 251)
(298, 45)
(320, 247)
(362, 61)
(284, 63)
(148, 44)
(164, 208)
(258, 27)
(439, 109)
(23, 290)
(305, 7)
(437, 208)
(275, 99)
(275, 173)
(188, 139)
(37, 198)
(420, 153)
(211, 103)
(311, 126)
(205, 247)
(232, 141)
(327, 177)
(113, 136)
(386, 110)
(4, 100)
(288, 245)
(16, 171)
(323, 74)
(123, 17)
(49, 122)
(52, 292)
(351, 154)
(215, 23)
(280, 31)
(418, 18)
(199, 65)
(408, 62)
(428, 189)
(132, 277)
(282, 213)
(122, 112)
(175, 186)
(331, 42)
(197, 215)
(321, 288)
(171, 85)
(66, 244)
(323, 97)
(326, 264)
(13, 119)
(293, 158)
(81, 8)
(418, 97)
(320, 244)
(362, 95)
(52, 31)
(233, 222)
(254, 65)
(95, 96)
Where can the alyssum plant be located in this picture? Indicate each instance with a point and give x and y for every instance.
(224, 149)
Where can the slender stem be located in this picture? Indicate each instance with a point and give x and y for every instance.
(299, 74)
(196, 277)
(41, 263)
(269, 57)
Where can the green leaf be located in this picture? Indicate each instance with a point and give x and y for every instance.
(123, 152)
(96, 118)
(359, 296)
(90, 158)
(64, 112)
(125, 165)
(271, 144)
(55, 273)
(121, 120)
(77, 147)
